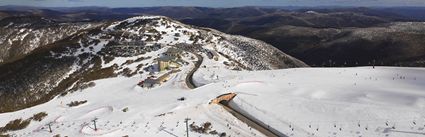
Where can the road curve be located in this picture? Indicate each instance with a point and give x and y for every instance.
(189, 76)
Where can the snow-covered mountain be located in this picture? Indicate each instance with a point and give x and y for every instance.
(53, 58)
(153, 76)
(21, 35)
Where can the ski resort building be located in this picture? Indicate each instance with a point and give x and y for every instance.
(167, 62)
(148, 83)
(170, 59)
(173, 52)
(153, 81)
(212, 55)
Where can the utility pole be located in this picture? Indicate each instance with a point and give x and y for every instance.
(94, 123)
(187, 126)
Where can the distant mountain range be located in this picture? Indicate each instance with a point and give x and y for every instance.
(406, 13)
(319, 36)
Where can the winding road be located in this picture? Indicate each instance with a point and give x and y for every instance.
(189, 77)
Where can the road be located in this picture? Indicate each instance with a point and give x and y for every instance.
(189, 76)
(257, 125)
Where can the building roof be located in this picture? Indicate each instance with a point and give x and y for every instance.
(167, 58)
(173, 51)
(150, 81)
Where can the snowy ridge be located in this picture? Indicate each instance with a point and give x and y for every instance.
(28, 38)
(92, 50)
(169, 32)
(84, 67)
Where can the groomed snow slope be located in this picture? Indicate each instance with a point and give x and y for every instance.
(333, 101)
(316, 101)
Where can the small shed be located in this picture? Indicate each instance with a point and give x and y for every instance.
(148, 83)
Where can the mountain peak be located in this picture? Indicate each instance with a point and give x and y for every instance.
(83, 52)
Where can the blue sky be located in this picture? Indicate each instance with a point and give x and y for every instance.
(210, 3)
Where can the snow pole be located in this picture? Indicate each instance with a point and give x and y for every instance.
(50, 127)
(187, 126)
(318, 126)
(94, 123)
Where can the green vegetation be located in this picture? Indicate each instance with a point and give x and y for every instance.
(205, 128)
(76, 103)
(19, 124)
(125, 109)
(39, 116)
(14, 125)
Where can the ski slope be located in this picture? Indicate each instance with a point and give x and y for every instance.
(321, 102)
(331, 101)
